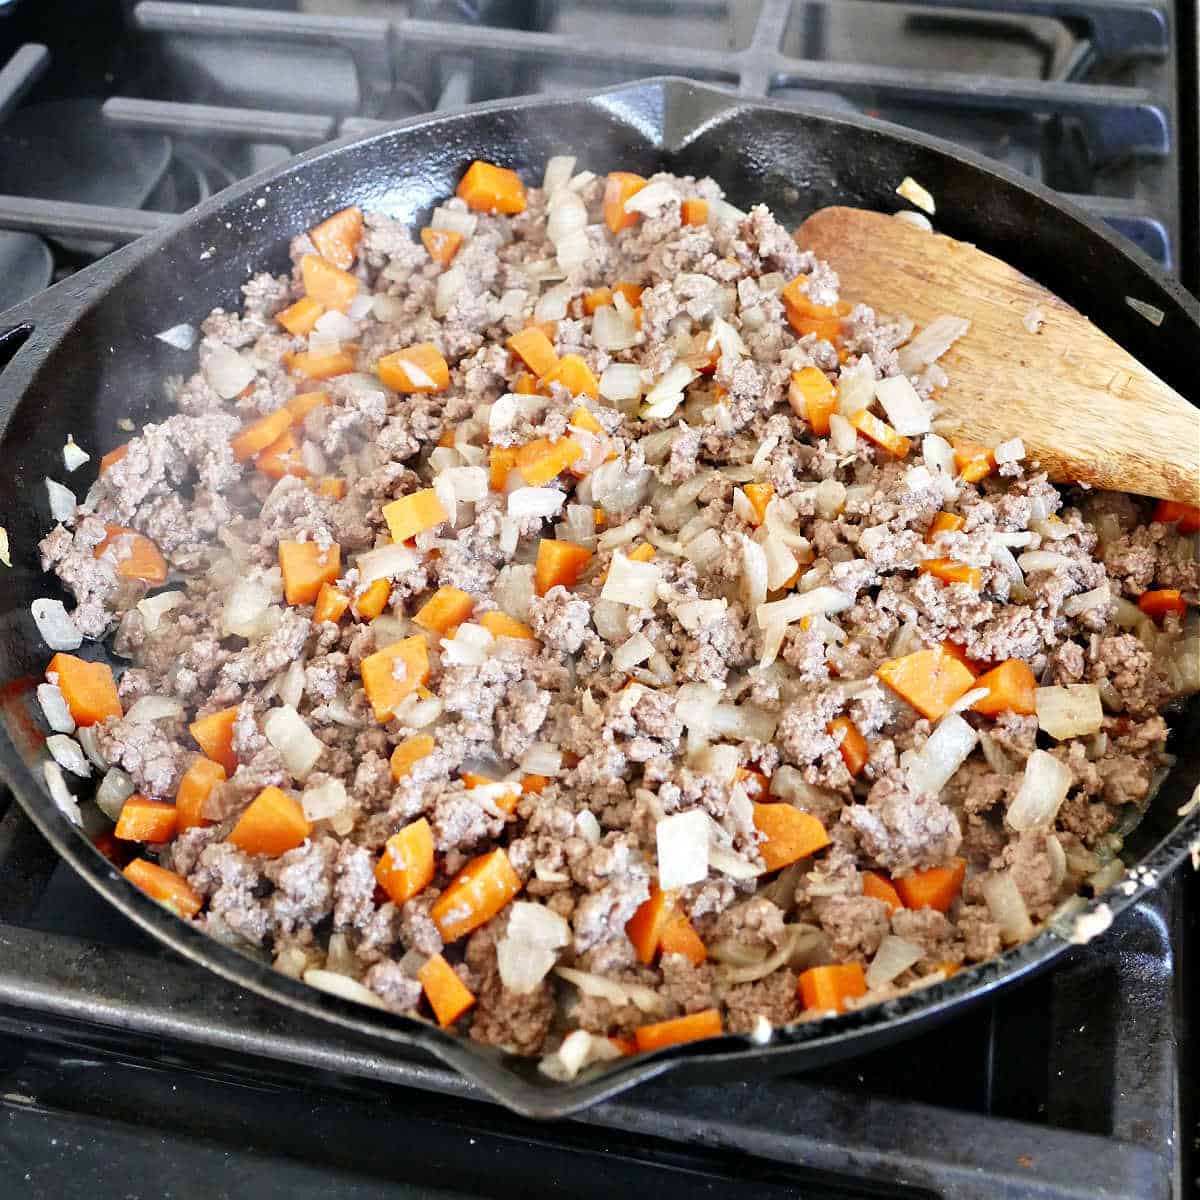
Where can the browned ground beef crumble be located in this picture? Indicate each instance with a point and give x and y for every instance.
(628, 757)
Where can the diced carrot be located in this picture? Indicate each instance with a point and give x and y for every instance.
(273, 824)
(626, 1045)
(258, 435)
(789, 834)
(880, 432)
(819, 395)
(419, 746)
(534, 785)
(198, 781)
(372, 600)
(337, 237)
(145, 820)
(542, 460)
(879, 887)
(320, 364)
(327, 284)
(301, 318)
(331, 486)
(828, 329)
(442, 244)
(680, 937)
(214, 735)
(88, 688)
(300, 406)
(406, 865)
(950, 571)
(597, 298)
(137, 556)
(755, 784)
(306, 567)
(488, 188)
(169, 889)
(396, 671)
(600, 517)
(549, 328)
(759, 495)
(575, 375)
(526, 385)
(973, 461)
(619, 187)
(853, 745)
(331, 604)
(534, 349)
(501, 461)
(507, 801)
(475, 895)
(559, 563)
(644, 928)
(826, 989)
(446, 441)
(419, 368)
(935, 887)
(448, 996)
(413, 514)
(444, 611)
(945, 522)
(282, 457)
(631, 291)
(1158, 603)
(1010, 687)
(113, 457)
(1168, 512)
(930, 680)
(796, 299)
(694, 211)
(581, 418)
(691, 1028)
(959, 652)
(500, 625)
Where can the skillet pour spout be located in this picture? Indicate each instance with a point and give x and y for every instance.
(61, 377)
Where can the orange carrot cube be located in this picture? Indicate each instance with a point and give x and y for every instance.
(306, 567)
(828, 988)
(259, 434)
(559, 562)
(337, 237)
(198, 781)
(88, 688)
(442, 244)
(413, 514)
(273, 824)
(419, 368)
(396, 671)
(409, 751)
(406, 865)
(145, 820)
(488, 188)
(691, 1028)
(475, 895)
(534, 349)
(168, 888)
(301, 318)
(137, 556)
(214, 735)
(448, 996)
(930, 680)
(619, 187)
(444, 611)
(789, 834)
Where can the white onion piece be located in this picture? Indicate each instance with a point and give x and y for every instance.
(89, 739)
(182, 337)
(754, 573)
(938, 454)
(652, 197)
(552, 304)
(573, 251)
(454, 220)
(1071, 711)
(154, 708)
(830, 498)
(920, 220)
(386, 562)
(1043, 560)
(667, 393)
(724, 335)
(289, 733)
(695, 615)
(527, 951)
(907, 413)
(324, 800)
(1044, 787)
(948, 747)
(55, 625)
(567, 215)
(115, 788)
(64, 801)
(246, 607)
(843, 437)
(449, 283)
(613, 331)
(932, 342)
(535, 502)
(916, 195)
(558, 172)
(682, 843)
(1007, 906)
(638, 994)
(721, 212)
(631, 582)
(73, 456)
(154, 608)
(579, 1049)
(342, 986)
(542, 758)
(514, 590)
(821, 600)
(1077, 605)
(781, 562)
(387, 308)
(722, 859)
(337, 324)
(291, 686)
(227, 372)
(968, 700)
(1012, 450)
(470, 484)
(632, 653)
(55, 708)
(470, 647)
(892, 959)
(621, 381)
(67, 753)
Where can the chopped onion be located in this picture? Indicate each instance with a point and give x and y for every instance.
(579, 1049)
(843, 437)
(528, 950)
(920, 220)
(637, 994)
(906, 411)
(617, 487)
(182, 337)
(342, 986)
(916, 195)
(552, 304)
(631, 582)
(613, 331)
(722, 859)
(558, 172)
(938, 454)
(567, 215)
(454, 220)
(73, 456)
(289, 733)
(337, 324)
(931, 343)
(724, 335)
(62, 500)
(60, 793)
(721, 212)
(387, 308)
(227, 372)
(830, 498)
(652, 197)
(55, 708)
(695, 615)
(948, 747)
(55, 625)
(821, 600)
(754, 572)
(574, 250)
(470, 646)
(682, 842)
(154, 708)
(781, 562)
(470, 484)
(621, 381)
(449, 283)
(892, 959)
(1007, 906)
(1070, 711)
(535, 502)
(1044, 787)
(1043, 560)
(386, 562)
(514, 590)
(542, 758)
(115, 788)
(291, 686)
(633, 652)
(1012, 450)
(246, 606)
(153, 608)
(66, 752)
(1077, 605)
(324, 800)
(89, 739)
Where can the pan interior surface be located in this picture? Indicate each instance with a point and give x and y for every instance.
(93, 360)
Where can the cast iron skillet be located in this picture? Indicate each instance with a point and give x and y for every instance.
(89, 357)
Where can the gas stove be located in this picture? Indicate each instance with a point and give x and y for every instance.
(125, 1071)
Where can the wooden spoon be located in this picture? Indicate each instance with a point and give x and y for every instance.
(1085, 409)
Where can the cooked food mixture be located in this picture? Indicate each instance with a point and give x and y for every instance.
(568, 624)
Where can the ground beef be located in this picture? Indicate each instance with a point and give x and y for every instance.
(900, 831)
(151, 752)
(775, 998)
